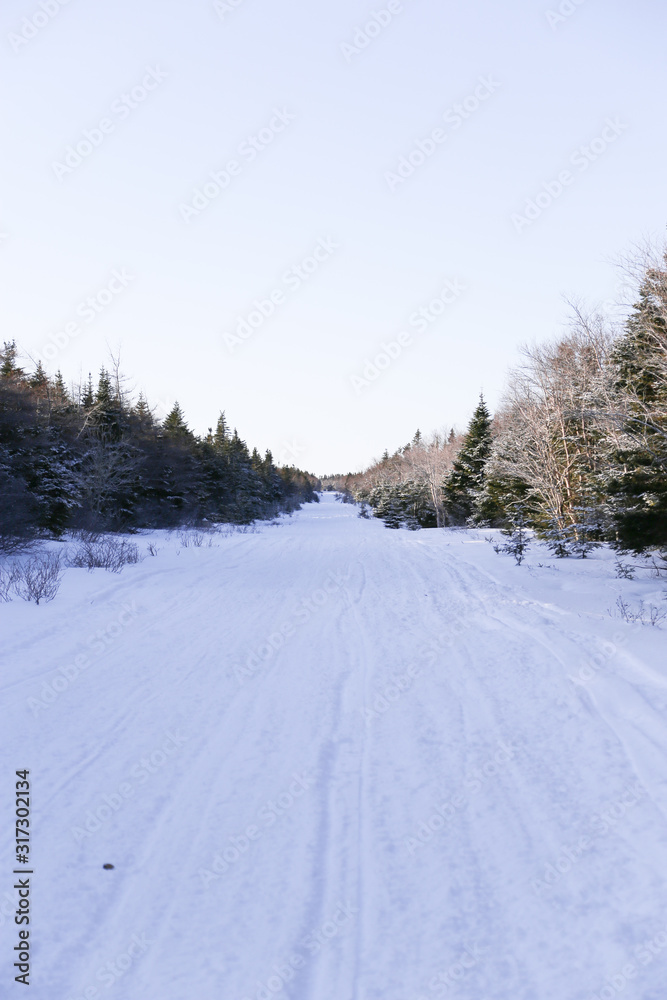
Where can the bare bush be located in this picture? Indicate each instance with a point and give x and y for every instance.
(39, 578)
(8, 577)
(106, 553)
(641, 615)
(11, 544)
(195, 539)
(152, 549)
(659, 569)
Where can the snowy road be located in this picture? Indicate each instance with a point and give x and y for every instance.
(335, 762)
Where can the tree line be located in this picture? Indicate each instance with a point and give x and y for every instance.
(577, 450)
(90, 457)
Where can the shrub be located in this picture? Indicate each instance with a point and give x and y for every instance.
(39, 578)
(104, 553)
(195, 539)
(642, 615)
(8, 578)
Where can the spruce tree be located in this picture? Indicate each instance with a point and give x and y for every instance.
(221, 432)
(174, 424)
(39, 380)
(107, 419)
(60, 393)
(88, 398)
(636, 482)
(143, 414)
(464, 483)
(9, 369)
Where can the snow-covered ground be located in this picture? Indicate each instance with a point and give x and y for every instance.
(330, 761)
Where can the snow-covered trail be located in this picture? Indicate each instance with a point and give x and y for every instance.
(335, 762)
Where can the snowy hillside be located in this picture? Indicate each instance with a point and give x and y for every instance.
(330, 761)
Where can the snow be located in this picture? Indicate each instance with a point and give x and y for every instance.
(331, 761)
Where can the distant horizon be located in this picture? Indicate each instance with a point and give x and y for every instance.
(160, 410)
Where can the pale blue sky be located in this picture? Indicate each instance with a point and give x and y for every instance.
(384, 253)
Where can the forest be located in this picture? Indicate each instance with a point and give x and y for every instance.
(89, 457)
(577, 450)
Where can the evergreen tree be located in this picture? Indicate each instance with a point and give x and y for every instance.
(106, 466)
(104, 395)
(221, 432)
(174, 424)
(88, 398)
(39, 380)
(406, 503)
(9, 369)
(60, 393)
(464, 483)
(635, 481)
(142, 412)
(499, 497)
(107, 411)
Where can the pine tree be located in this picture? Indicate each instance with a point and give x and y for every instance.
(465, 482)
(88, 398)
(60, 393)
(516, 533)
(498, 498)
(636, 478)
(104, 396)
(39, 380)
(107, 417)
(406, 503)
(221, 432)
(143, 414)
(9, 369)
(174, 424)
